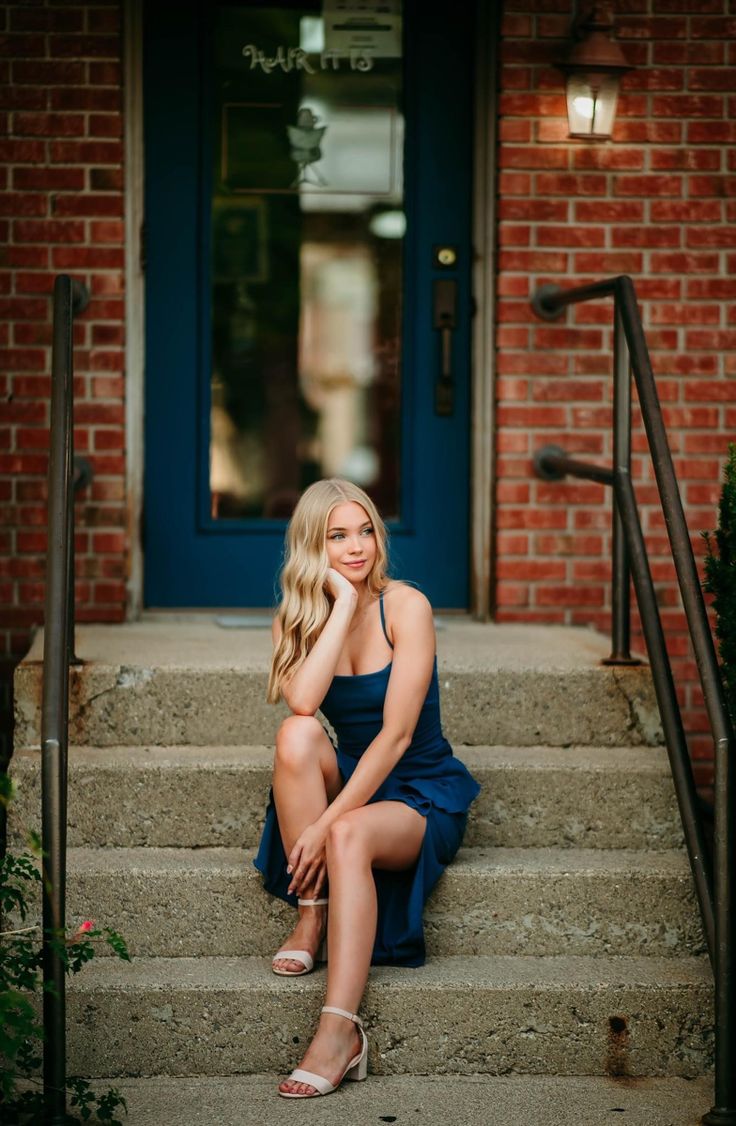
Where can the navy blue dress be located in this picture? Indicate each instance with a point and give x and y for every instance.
(427, 777)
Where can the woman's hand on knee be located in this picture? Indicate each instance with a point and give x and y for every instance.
(306, 863)
(313, 886)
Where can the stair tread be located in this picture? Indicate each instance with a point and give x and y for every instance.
(618, 797)
(641, 759)
(500, 971)
(480, 859)
(517, 1100)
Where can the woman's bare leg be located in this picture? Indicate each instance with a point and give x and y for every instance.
(382, 835)
(305, 779)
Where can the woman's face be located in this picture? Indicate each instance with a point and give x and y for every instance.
(351, 541)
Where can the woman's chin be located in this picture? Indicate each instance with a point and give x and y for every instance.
(356, 575)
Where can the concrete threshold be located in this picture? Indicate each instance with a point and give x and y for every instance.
(507, 1100)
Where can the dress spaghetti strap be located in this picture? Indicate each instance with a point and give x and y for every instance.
(383, 620)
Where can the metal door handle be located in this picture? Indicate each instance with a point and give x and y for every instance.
(444, 318)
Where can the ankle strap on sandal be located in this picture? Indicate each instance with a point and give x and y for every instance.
(343, 1013)
(312, 902)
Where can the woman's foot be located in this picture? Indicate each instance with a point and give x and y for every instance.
(308, 935)
(335, 1044)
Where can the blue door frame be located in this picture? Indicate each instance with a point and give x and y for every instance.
(190, 561)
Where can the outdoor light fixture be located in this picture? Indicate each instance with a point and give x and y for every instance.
(593, 68)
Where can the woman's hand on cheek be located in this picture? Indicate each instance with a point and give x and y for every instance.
(306, 863)
(339, 587)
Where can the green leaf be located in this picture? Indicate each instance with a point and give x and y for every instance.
(108, 1104)
(117, 943)
(7, 789)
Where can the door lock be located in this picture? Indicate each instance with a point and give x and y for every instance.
(444, 257)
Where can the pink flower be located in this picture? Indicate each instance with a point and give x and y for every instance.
(83, 929)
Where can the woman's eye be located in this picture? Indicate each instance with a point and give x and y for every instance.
(336, 536)
(367, 532)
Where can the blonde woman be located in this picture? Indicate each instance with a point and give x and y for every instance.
(372, 823)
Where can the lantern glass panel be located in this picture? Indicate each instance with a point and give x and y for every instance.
(591, 103)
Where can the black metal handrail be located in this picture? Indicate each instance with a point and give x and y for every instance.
(69, 297)
(629, 558)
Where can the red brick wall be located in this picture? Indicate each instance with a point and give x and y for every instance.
(657, 202)
(61, 211)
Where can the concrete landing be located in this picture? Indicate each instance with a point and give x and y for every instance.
(197, 641)
(409, 1100)
(191, 681)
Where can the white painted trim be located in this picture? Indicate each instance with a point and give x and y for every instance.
(134, 295)
(484, 291)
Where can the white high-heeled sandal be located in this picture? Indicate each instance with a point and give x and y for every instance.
(357, 1069)
(302, 956)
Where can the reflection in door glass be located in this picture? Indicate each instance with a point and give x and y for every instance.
(307, 241)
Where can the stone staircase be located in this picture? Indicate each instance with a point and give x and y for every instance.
(564, 941)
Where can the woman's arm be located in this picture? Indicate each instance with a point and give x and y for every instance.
(411, 672)
(306, 689)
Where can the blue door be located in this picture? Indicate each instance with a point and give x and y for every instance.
(308, 257)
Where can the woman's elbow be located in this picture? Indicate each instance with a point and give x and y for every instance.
(400, 739)
(298, 701)
(299, 706)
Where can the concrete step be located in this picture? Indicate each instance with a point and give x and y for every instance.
(189, 681)
(470, 1100)
(456, 1015)
(210, 902)
(182, 797)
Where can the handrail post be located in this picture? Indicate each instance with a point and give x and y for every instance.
(551, 462)
(723, 1112)
(71, 573)
(55, 709)
(620, 578)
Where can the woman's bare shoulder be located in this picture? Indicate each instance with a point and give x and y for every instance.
(403, 600)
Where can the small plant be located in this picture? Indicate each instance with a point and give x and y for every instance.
(21, 1029)
(720, 578)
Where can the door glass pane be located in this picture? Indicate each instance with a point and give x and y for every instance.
(307, 225)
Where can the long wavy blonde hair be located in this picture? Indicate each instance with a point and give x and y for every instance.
(305, 604)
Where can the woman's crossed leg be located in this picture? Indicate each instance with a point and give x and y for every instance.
(384, 834)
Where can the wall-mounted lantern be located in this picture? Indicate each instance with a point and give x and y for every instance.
(593, 68)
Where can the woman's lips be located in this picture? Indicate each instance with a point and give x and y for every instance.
(356, 564)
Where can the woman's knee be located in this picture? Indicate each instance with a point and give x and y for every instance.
(297, 740)
(346, 839)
